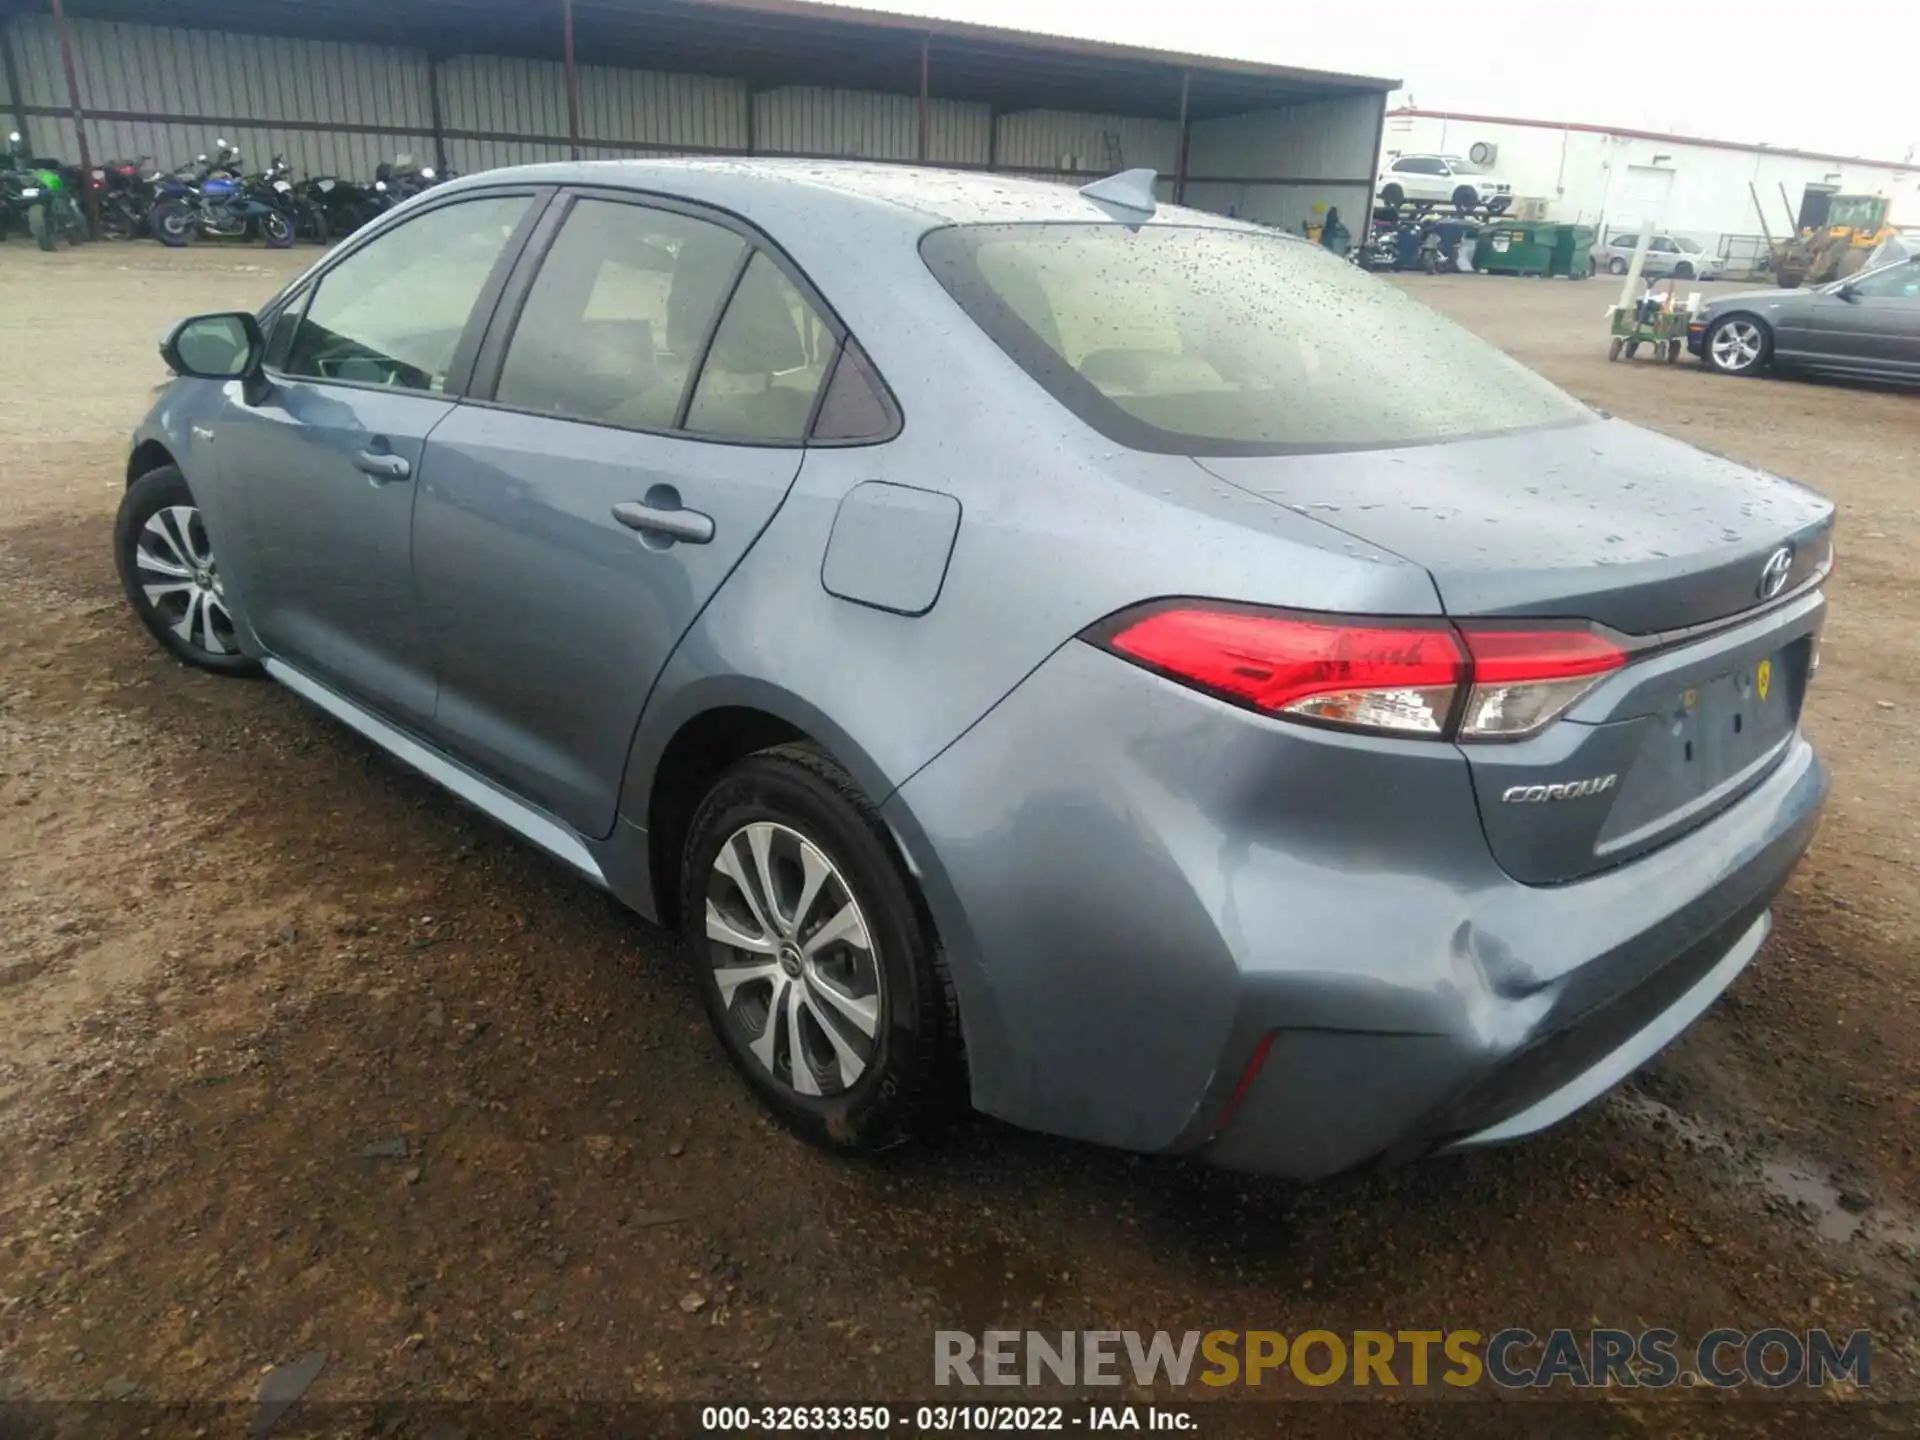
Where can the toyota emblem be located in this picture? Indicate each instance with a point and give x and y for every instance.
(1773, 575)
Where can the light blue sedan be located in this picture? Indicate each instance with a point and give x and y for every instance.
(1115, 666)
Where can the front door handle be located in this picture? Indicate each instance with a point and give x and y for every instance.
(688, 525)
(381, 466)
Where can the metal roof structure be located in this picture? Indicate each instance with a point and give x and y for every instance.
(482, 83)
(775, 42)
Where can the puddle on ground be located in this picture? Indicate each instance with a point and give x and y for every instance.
(1836, 1212)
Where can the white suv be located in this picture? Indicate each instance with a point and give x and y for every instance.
(1443, 180)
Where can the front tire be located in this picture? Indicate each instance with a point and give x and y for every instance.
(276, 229)
(1683, 271)
(820, 972)
(39, 227)
(1739, 345)
(1465, 199)
(171, 578)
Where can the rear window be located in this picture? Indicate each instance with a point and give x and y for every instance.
(1207, 341)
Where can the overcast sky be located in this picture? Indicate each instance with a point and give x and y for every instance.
(1842, 78)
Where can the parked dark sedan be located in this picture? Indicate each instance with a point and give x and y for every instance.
(1867, 325)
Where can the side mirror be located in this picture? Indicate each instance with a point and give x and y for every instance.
(224, 346)
(1847, 293)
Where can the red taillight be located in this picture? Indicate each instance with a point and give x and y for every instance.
(1525, 679)
(1397, 677)
(1363, 675)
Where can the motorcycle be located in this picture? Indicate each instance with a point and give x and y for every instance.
(123, 193)
(39, 195)
(342, 206)
(212, 200)
(402, 180)
(273, 187)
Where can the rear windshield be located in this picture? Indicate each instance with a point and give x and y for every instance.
(1207, 341)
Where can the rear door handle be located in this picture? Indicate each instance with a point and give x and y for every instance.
(382, 467)
(688, 525)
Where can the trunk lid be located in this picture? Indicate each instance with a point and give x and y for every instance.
(1598, 521)
(1607, 523)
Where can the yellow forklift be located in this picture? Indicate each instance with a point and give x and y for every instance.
(1835, 236)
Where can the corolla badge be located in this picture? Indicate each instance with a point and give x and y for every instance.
(1570, 790)
(1773, 575)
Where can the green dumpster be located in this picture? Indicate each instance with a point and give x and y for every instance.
(1573, 251)
(1515, 247)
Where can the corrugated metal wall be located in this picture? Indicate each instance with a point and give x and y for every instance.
(341, 109)
(228, 79)
(804, 120)
(1301, 151)
(1063, 140)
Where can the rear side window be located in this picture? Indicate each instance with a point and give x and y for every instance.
(1205, 340)
(766, 362)
(857, 405)
(613, 326)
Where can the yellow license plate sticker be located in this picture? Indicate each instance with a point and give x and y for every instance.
(1763, 678)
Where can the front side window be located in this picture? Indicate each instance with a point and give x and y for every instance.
(392, 313)
(613, 326)
(1204, 340)
(765, 364)
(1896, 282)
(286, 324)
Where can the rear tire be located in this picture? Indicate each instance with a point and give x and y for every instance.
(816, 860)
(1616, 266)
(118, 223)
(172, 224)
(170, 576)
(1393, 197)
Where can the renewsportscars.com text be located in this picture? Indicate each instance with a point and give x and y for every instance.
(1511, 1358)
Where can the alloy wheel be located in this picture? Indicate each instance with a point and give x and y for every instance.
(794, 960)
(176, 572)
(1737, 345)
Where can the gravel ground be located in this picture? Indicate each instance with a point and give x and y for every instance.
(298, 1055)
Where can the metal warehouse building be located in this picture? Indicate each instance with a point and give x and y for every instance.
(339, 85)
(1700, 189)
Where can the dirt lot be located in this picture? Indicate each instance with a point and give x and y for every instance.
(297, 1055)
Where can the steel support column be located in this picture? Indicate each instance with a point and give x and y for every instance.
(79, 117)
(926, 46)
(1186, 134)
(573, 84)
(433, 114)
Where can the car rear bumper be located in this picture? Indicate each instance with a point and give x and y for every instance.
(1177, 926)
